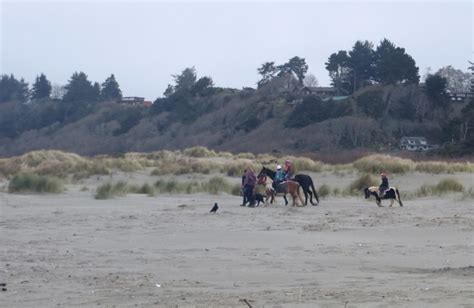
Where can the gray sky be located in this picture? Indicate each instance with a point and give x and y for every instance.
(143, 43)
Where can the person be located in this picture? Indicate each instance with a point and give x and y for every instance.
(249, 185)
(384, 186)
(289, 170)
(279, 177)
(242, 189)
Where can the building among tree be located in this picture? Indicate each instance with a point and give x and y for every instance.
(415, 144)
(135, 101)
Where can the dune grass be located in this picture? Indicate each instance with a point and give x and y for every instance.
(30, 182)
(364, 180)
(444, 186)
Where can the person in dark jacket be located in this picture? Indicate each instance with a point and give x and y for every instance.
(279, 177)
(249, 185)
(242, 189)
(384, 186)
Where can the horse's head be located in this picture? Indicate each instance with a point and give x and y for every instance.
(367, 193)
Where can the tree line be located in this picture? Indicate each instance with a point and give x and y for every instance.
(79, 88)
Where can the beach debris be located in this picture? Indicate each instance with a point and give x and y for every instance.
(214, 208)
(158, 285)
(246, 301)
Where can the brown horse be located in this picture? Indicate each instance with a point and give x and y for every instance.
(284, 188)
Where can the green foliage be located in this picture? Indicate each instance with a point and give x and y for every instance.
(268, 71)
(217, 184)
(30, 182)
(314, 110)
(41, 88)
(443, 187)
(374, 164)
(372, 103)
(110, 89)
(361, 63)
(338, 67)
(127, 118)
(435, 89)
(80, 88)
(393, 65)
(186, 80)
(12, 89)
(109, 190)
(295, 65)
(324, 191)
(203, 86)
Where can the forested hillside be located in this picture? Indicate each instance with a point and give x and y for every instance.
(377, 99)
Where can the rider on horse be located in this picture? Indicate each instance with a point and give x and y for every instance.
(289, 170)
(384, 186)
(279, 177)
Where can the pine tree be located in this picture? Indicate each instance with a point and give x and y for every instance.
(110, 89)
(41, 88)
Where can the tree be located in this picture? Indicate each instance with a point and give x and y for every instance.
(471, 68)
(186, 80)
(110, 89)
(310, 81)
(393, 65)
(268, 71)
(169, 91)
(41, 88)
(202, 86)
(457, 80)
(13, 89)
(295, 65)
(80, 88)
(435, 89)
(338, 67)
(361, 63)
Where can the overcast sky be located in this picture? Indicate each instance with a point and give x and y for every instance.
(144, 43)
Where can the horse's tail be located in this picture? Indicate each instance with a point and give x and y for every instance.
(314, 190)
(398, 196)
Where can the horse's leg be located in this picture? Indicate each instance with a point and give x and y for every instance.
(306, 192)
(391, 202)
(286, 200)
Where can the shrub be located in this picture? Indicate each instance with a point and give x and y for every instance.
(448, 185)
(376, 163)
(246, 155)
(217, 184)
(236, 190)
(361, 182)
(109, 190)
(199, 152)
(30, 182)
(324, 191)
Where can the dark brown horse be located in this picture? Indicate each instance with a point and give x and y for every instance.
(291, 188)
(305, 181)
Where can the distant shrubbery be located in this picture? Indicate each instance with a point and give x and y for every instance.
(30, 182)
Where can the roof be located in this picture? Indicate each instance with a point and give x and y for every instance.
(321, 89)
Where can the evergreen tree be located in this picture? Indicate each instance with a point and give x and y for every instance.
(111, 89)
(13, 89)
(435, 88)
(295, 65)
(338, 67)
(393, 65)
(80, 88)
(41, 88)
(186, 80)
(361, 63)
(268, 71)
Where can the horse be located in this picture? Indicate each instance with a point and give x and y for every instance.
(392, 193)
(287, 187)
(305, 181)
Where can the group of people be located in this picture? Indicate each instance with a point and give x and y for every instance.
(249, 181)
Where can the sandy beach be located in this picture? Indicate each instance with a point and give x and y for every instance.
(168, 251)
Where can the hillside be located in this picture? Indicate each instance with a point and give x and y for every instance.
(258, 121)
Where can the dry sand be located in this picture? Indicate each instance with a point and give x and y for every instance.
(168, 251)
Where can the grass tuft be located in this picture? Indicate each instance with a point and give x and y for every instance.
(30, 182)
